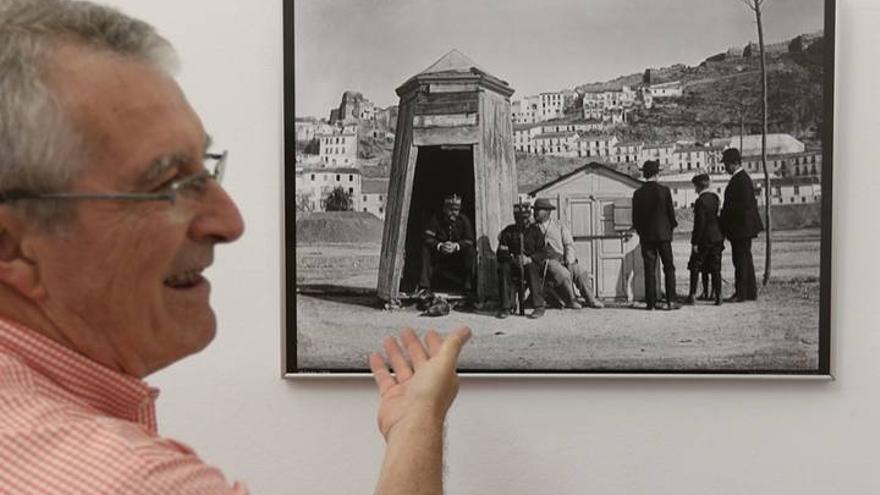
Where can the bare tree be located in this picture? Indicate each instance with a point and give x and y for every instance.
(756, 6)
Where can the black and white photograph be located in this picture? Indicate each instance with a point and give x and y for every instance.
(593, 187)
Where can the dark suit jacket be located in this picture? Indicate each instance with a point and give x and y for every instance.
(508, 242)
(706, 228)
(739, 216)
(653, 213)
(439, 230)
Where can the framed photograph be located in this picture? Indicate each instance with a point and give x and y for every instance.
(595, 188)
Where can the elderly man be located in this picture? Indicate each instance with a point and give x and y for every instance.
(108, 217)
(556, 254)
(740, 223)
(449, 252)
(654, 220)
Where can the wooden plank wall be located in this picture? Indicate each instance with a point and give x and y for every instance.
(495, 183)
(397, 209)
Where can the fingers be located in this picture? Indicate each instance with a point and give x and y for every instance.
(401, 367)
(418, 354)
(455, 341)
(434, 341)
(383, 377)
(414, 347)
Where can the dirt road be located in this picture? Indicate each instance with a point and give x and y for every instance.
(338, 326)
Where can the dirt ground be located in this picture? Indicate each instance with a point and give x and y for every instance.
(340, 321)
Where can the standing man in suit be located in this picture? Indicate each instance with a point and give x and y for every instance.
(740, 223)
(654, 220)
(707, 243)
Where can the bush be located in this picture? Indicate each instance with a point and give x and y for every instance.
(338, 200)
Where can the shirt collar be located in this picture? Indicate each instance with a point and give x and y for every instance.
(110, 392)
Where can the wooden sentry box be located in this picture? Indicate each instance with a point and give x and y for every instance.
(454, 134)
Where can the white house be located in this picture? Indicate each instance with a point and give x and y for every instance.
(316, 183)
(373, 197)
(784, 190)
(672, 89)
(777, 144)
(338, 149)
(596, 146)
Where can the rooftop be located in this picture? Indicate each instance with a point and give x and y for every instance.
(595, 137)
(374, 186)
(547, 135)
(328, 170)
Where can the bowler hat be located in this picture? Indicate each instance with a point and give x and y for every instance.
(651, 168)
(543, 204)
(731, 155)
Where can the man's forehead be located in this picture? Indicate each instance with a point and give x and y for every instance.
(133, 117)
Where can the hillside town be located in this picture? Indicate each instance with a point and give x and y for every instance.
(586, 124)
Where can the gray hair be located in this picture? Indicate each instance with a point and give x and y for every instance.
(39, 149)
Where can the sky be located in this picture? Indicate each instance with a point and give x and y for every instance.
(373, 46)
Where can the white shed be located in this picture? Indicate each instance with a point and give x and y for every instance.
(596, 202)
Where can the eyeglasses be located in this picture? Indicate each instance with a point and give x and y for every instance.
(191, 186)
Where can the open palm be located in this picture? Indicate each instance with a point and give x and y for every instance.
(423, 385)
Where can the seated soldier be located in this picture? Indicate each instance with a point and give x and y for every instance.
(449, 251)
(557, 258)
(516, 242)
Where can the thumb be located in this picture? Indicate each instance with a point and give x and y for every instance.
(454, 342)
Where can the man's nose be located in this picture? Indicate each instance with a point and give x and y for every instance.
(218, 219)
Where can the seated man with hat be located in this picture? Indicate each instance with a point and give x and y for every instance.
(515, 243)
(556, 258)
(449, 251)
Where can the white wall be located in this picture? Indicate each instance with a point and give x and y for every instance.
(512, 437)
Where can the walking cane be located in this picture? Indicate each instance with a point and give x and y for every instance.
(521, 294)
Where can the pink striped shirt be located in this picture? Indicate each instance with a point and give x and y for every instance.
(69, 425)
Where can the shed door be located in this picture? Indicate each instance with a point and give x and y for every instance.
(582, 230)
(612, 260)
(600, 247)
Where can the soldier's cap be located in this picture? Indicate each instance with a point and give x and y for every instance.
(543, 204)
(701, 178)
(651, 168)
(522, 209)
(452, 199)
(731, 155)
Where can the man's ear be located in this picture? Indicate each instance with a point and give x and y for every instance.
(18, 270)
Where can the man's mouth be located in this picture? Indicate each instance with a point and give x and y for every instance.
(185, 280)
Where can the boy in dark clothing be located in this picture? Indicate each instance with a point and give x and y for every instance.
(707, 242)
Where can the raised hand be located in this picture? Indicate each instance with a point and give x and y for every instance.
(422, 386)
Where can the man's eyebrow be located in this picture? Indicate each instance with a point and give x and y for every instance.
(161, 165)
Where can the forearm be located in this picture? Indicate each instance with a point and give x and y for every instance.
(413, 458)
